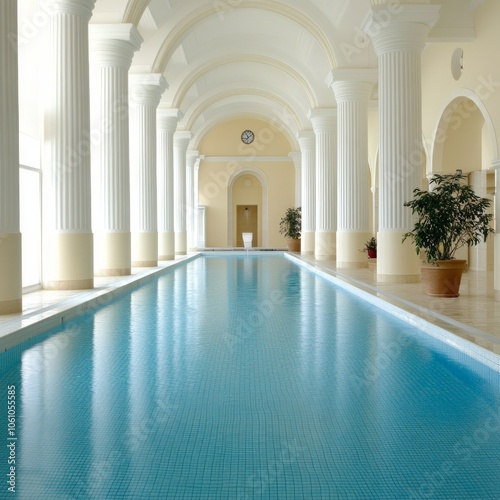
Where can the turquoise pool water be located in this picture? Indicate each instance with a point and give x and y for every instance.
(245, 377)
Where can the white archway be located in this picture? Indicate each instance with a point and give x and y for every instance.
(446, 114)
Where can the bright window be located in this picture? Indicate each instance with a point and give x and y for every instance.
(30, 204)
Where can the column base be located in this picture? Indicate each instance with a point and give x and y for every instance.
(397, 262)
(325, 244)
(307, 244)
(69, 262)
(181, 243)
(166, 246)
(349, 246)
(11, 289)
(11, 306)
(69, 284)
(145, 249)
(112, 254)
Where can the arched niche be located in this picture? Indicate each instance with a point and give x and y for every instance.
(464, 138)
(236, 195)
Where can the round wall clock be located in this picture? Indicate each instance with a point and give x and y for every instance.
(247, 136)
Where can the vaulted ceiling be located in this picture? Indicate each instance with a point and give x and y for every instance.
(270, 59)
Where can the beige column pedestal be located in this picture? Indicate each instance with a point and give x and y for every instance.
(69, 261)
(10, 272)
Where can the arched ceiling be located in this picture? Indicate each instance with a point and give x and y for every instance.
(268, 58)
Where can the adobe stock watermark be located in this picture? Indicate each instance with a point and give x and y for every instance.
(249, 325)
(75, 155)
(224, 6)
(46, 353)
(257, 484)
(464, 450)
(363, 39)
(389, 353)
(29, 28)
(454, 116)
(132, 440)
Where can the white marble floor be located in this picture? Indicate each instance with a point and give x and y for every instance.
(474, 316)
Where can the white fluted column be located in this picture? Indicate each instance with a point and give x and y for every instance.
(296, 156)
(10, 236)
(181, 142)
(196, 229)
(145, 94)
(68, 241)
(496, 202)
(192, 158)
(352, 89)
(324, 122)
(398, 40)
(374, 191)
(307, 142)
(112, 47)
(166, 123)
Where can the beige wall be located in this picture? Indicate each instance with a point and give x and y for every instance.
(228, 163)
(480, 77)
(463, 144)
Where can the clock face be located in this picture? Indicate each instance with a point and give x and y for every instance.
(247, 136)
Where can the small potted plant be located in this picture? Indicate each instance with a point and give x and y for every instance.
(371, 248)
(449, 217)
(290, 227)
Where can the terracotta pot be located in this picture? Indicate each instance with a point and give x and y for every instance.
(442, 278)
(293, 245)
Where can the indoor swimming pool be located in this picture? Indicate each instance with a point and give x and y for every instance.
(245, 377)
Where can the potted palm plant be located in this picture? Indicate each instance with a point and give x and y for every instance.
(448, 217)
(290, 227)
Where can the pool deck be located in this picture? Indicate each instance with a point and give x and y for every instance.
(474, 316)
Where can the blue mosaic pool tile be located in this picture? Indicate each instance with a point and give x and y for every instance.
(198, 385)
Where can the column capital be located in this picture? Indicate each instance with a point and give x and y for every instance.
(113, 44)
(167, 119)
(182, 138)
(352, 84)
(323, 119)
(146, 88)
(81, 8)
(307, 139)
(395, 28)
(192, 156)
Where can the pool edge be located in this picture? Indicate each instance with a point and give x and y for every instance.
(464, 346)
(27, 326)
